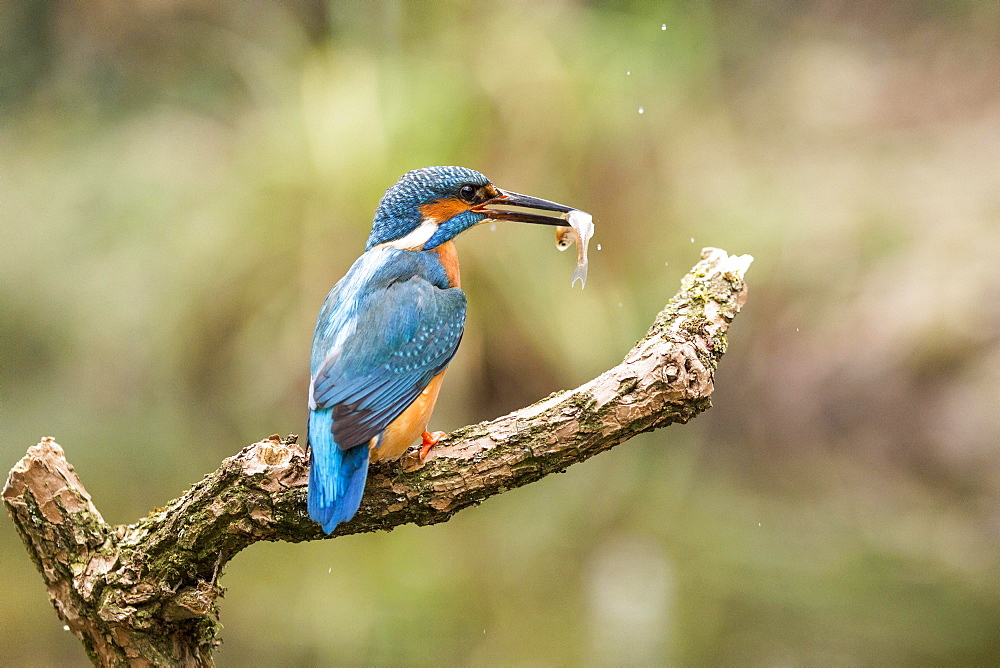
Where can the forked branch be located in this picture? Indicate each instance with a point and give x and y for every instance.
(144, 594)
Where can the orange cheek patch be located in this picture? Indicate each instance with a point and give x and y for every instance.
(443, 209)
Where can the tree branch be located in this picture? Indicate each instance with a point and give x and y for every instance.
(144, 594)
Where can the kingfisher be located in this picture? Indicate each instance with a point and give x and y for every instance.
(390, 326)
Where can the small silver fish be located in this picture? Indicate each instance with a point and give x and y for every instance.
(579, 230)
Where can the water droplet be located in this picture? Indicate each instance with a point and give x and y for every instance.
(641, 110)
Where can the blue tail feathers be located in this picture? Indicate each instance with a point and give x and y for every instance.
(336, 477)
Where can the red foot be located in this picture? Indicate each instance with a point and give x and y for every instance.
(430, 439)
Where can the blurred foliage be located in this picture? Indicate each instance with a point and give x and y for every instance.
(182, 181)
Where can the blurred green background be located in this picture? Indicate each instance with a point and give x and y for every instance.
(182, 181)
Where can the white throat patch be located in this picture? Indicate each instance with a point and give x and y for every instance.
(416, 239)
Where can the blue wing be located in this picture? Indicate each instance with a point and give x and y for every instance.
(396, 336)
(385, 331)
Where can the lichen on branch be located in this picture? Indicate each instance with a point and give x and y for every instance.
(145, 593)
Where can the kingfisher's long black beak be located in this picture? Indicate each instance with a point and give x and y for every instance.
(524, 209)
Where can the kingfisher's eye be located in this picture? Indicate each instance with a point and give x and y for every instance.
(468, 193)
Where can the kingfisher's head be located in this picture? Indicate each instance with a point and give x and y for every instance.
(432, 205)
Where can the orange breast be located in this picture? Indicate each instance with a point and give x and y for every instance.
(411, 423)
(448, 257)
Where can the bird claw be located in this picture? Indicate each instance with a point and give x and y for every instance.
(429, 440)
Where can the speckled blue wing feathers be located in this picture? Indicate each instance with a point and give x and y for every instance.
(381, 370)
(385, 331)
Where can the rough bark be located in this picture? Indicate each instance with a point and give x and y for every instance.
(145, 593)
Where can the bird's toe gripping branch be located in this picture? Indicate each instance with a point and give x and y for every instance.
(428, 441)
